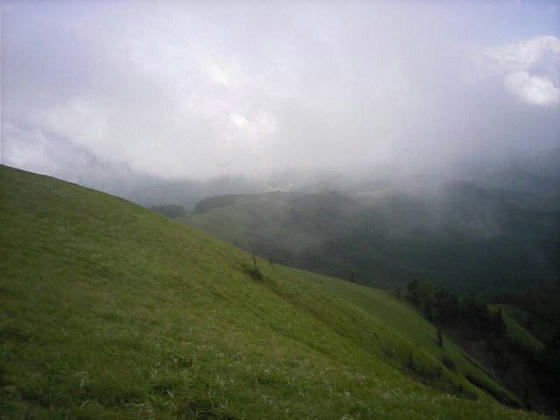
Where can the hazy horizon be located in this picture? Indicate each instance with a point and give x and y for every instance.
(94, 90)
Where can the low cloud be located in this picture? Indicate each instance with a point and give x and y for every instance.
(197, 90)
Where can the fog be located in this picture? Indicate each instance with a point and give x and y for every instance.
(98, 91)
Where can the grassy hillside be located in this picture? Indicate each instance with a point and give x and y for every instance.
(109, 310)
(517, 334)
(405, 321)
(540, 320)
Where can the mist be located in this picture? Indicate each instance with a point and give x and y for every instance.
(136, 93)
(314, 198)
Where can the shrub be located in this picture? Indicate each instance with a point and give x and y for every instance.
(253, 271)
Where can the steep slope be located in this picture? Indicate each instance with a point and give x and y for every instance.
(517, 358)
(109, 310)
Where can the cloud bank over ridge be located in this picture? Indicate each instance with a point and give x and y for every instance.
(197, 90)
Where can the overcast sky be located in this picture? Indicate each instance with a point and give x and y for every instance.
(203, 88)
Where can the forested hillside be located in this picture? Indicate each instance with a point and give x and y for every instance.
(471, 238)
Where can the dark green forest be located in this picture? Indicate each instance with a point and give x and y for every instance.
(469, 237)
(526, 367)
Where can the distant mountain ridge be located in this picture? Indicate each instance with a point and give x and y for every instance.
(471, 237)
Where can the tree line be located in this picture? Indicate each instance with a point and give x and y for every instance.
(442, 307)
(533, 375)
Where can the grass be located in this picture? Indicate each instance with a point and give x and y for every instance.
(516, 332)
(108, 310)
(404, 320)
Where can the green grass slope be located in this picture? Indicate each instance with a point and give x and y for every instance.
(519, 320)
(404, 320)
(109, 310)
(517, 333)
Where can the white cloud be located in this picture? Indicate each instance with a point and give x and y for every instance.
(530, 68)
(525, 54)
(239, 120)
(27, 149)
(532, 89)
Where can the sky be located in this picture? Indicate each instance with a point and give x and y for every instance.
(199, 89)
